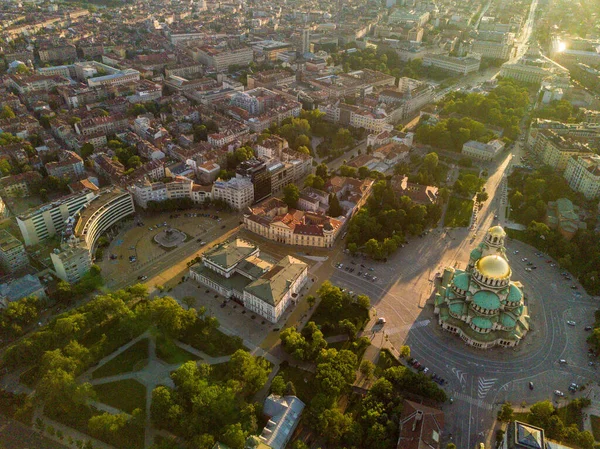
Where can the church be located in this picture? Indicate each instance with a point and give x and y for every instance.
(481, 304)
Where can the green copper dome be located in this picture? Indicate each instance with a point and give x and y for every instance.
(486, 300)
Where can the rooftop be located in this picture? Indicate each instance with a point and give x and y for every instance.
(274, 284)
(228, 254)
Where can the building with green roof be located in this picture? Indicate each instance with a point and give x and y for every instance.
(235, 270)
(481, 304)
(564, 216)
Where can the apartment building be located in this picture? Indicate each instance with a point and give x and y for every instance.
(70, 166)
(583, 175)
(555, 150)
(271, 78)
(238, 192)
(483, 151)
(71, 262)
(145, 191)
(50, 219)
(12, 253)
(19, 185)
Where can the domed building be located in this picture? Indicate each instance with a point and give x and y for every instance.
(481, 303)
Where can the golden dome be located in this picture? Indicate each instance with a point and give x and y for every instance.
(497, 231)
(495, 267)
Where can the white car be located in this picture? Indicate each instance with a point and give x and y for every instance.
(571, 323)
(559, 393)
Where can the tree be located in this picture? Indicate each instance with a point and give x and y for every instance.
(291, 195)
(278, 386)
(170, 317)
(367, 368)
(506, 413)
(290, 389)
(234, 436)
(303, 149)
(251, 371)
(322, 171)
(107, 425)
(430, 162)
(7, 113)
(364, 301)
(189, 301)
(310, 299)
(87, 149)
(482, 197)
(314, 181)
(349, 328)
(405, 351)
(331, 297)
(451, 446)
(335, 209)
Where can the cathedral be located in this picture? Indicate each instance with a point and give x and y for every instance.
(481, 304)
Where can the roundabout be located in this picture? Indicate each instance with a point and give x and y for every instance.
(170, 238)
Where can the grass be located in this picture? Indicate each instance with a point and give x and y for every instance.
(458, 213)
(169, 352)
(328, 323)
(595, 426)
(126, 395)
(130, 360)
(304, 381)
(210, 340)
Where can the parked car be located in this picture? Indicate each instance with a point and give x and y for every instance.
(559, 393)
(381, 321)
(531, 385)
(571, 323)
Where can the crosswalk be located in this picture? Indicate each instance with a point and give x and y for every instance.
(476, 402)
(483, 386)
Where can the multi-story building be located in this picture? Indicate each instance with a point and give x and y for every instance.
(145, 191)
(19, 185)
(12, 253)
(70, 166)
(555, 150)
(269, 49)
(273, 220)
(106, 125)
(71, 262)
(20, 288)
(66, 52)
(271, 79)
(235, 270)
(222, 57)
(483, 151)
(532, 69)
(583, 175)
(238, 192)
(256, 170)
(493, 45)
(457, 65)
(107, 208)
(50, 219)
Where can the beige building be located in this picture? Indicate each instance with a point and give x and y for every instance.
(459, 66)
(583, 175)
(235, 270)
(483, 151)
(555, 150)
(274, 220)
(220, 58)
(237, 192)
(12, 253)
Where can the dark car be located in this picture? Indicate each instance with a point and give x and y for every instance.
(531, 385)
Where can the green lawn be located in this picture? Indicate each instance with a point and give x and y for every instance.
(211, 341)
(328, 323)
(595, 426)
(169, 352)
(126, 395)
(133, 359)
(303, 382)
(458, 213)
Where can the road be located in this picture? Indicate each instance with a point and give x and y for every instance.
(478, 380)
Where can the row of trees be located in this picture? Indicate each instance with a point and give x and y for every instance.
(170, 205)
(378, 229)
(451, 134)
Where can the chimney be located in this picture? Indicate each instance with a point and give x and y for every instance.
(418, 417)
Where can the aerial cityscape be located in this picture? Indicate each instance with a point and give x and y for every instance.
(358, 224)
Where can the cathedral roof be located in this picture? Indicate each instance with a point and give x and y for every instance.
(495, 267)
(497, 231)
(515, 294)
(486, 300)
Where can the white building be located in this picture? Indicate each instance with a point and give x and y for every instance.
(459, 66)
(583, 175)
(238, 192)
(71, 262)
(146, 191)
(483, 151)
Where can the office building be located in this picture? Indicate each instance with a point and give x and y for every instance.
(256, 170)
(458, 66)
(238, 192)
(483, 151)
(71, 262)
